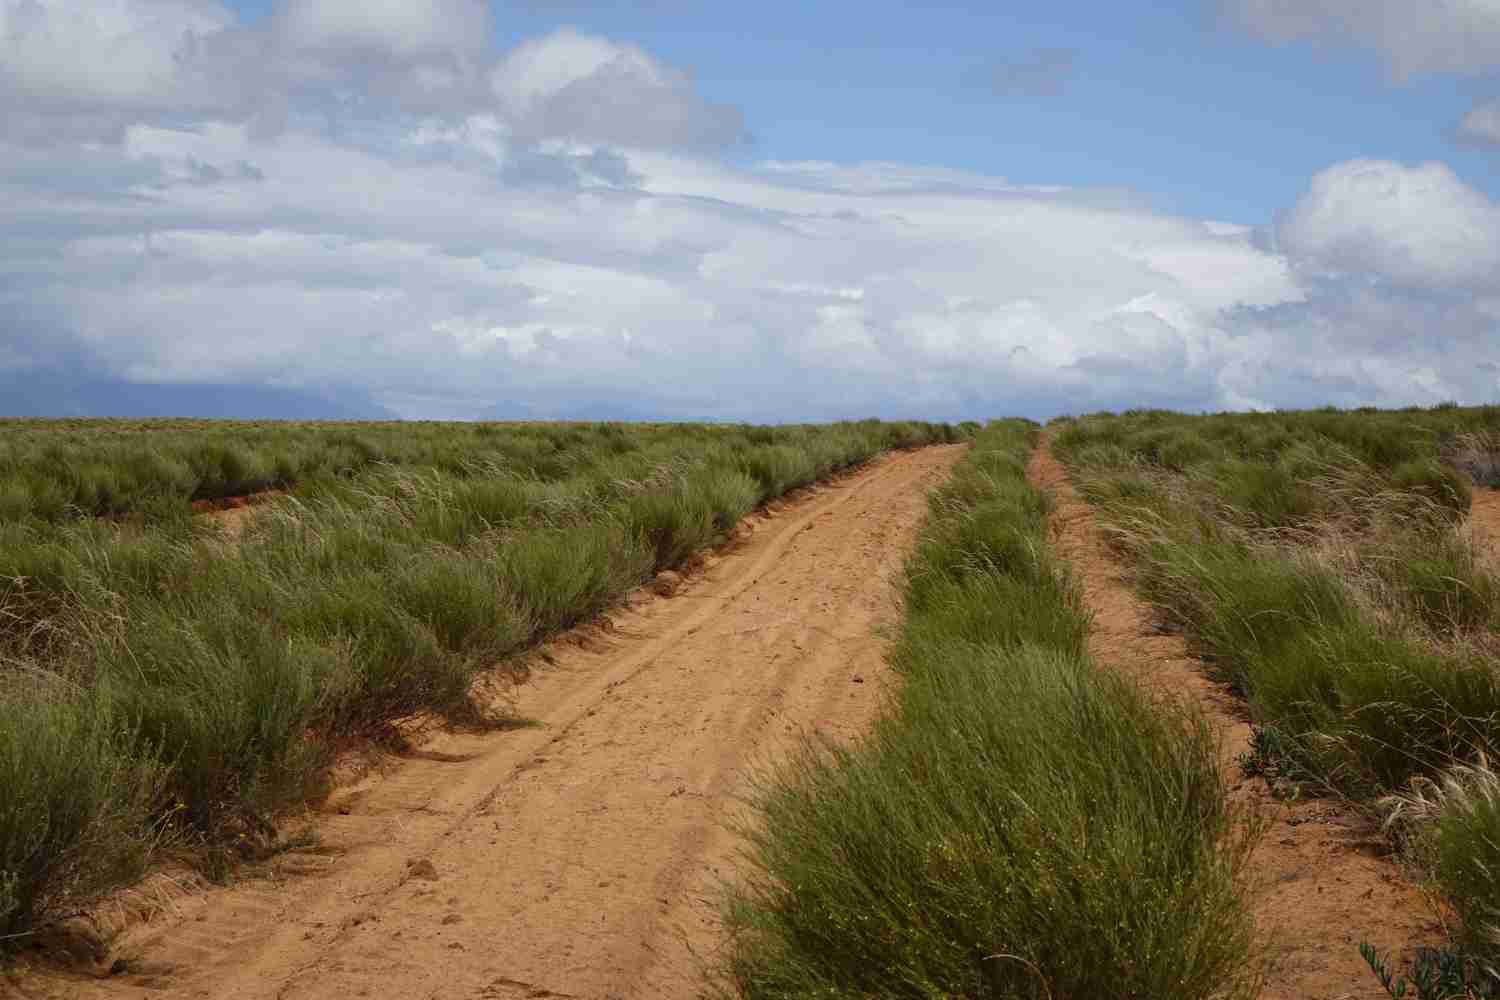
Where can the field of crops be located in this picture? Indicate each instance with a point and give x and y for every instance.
(1318, 563)
(1027, 817)
(161, 683)
(1023, 822)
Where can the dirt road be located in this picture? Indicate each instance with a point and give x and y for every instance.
(580, 857)
(1324, 882)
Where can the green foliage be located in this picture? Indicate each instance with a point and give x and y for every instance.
(77, 796)
(1314, 562)
(1275, 467)
(1452, 826)
(1361, 703)
(1019, 824)
(1436, 974)
(206, 682)
(1438, 579)
(1435, 481)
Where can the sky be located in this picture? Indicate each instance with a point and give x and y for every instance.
(454, 209)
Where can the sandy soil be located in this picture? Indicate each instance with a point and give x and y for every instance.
(1323, 880)
(233, 514)
(1484, 517)
(580, 857)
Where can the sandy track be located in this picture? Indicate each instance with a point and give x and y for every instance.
(1484, 518)
(581, 857)
(1323, 880)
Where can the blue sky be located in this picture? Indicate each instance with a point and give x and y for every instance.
(1166, 99)
(454, 208)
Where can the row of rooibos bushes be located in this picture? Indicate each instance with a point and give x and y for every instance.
(161, 683)
(1317, 561)
(1019, 823)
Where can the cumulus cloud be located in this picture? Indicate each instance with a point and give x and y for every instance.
(590, 89)
(70, 76)
(119, 52)
(1040, 73)
(403, 27)
(66, 78)
(1419, 226)
(545, 232)
(1459, 36)
(678, 286)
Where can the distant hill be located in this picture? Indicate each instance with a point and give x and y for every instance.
(50, 394)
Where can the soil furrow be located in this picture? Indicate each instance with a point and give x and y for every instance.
(579, 857)
(1323, 880)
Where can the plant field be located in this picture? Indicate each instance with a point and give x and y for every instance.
(1022, 823)
(56, 469)
(1320, 564)
(162, 684)
(1049, 802)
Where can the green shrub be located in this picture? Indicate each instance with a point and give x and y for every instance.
(670, 523)
(1435, 481)
(1437, 574)
(778, 469)
(463, 602)
(1019, 824)
(1321, 643)
(1265, 494)
(561, 577)
(208, 681)
(77, 798)
(225, 703)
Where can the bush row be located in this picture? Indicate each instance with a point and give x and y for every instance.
(1019, 823)
(53, 470)
(160, 680)
(1285, 468)
(1359, 624)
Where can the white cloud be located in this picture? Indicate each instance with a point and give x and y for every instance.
(72, 75)
(117, 52)
(1419, 226)
(794, 290)
(347, 63)
(1412, 36)
(403, 27)
(576, 86)
(540, 230)
(1481, 126)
